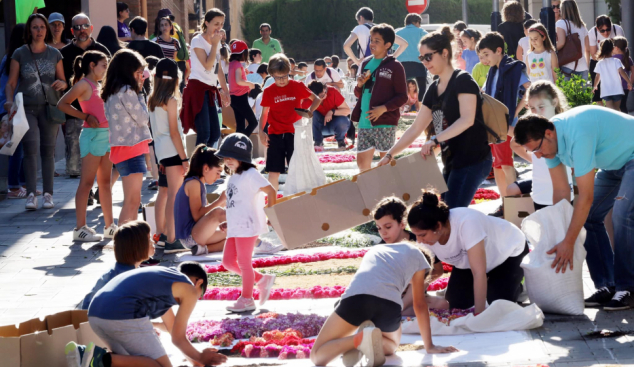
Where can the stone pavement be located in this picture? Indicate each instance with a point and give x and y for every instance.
(43, 272)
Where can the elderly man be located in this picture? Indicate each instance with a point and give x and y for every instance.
(82, 31)
(267, 44)
(331, 117)
(324, 74)
(586, 138)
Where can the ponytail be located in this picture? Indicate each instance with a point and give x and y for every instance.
(81, 65)
(621, 43)
(439, 40)
(428, 211)
(606, 48)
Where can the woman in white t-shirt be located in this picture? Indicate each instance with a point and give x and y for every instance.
(603, 29)
(609, 71)
(199, 110)
(571, 23)
(485, 251)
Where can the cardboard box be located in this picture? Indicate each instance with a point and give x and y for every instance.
(149, 215)
(332, 208)
(41, 342)
(516, 208)
(190, 143)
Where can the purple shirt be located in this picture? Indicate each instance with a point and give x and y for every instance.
(123, 30)
(627, 71)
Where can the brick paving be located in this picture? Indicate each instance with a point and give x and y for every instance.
(42, 272)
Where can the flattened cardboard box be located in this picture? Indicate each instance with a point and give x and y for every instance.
(332, 208)
(516, 208)
(41, 342)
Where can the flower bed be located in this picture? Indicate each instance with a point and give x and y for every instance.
(482, 195)
(232, 293)
(446, 316)
(327, 158)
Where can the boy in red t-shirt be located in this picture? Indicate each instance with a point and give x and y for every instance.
(331, 117)
(279, 101)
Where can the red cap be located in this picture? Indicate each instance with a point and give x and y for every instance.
(239, 47)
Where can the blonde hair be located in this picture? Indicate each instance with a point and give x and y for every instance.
(279, 64)
(545, 89)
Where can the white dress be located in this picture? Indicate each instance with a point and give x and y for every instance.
(304, 170)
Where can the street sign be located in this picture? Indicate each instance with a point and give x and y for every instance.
(417, 6)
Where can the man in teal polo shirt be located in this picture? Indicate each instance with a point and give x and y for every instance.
(267, 44)
(586, 138)
(414, 69)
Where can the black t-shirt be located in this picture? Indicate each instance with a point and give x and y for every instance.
(471, 146)
(147, 48)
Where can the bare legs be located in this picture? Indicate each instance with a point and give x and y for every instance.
(100, 167)
(132, 185)
(174, 182)
(364, 159)
(205, 231)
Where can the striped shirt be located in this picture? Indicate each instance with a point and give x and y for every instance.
(169, 48)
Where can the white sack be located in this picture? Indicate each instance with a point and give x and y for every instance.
(19, 128)
(304, 170)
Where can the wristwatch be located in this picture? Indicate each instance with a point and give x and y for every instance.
(389, 156)
(185, 160)
(433, 138)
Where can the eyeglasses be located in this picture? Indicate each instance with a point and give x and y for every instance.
(604, 30)
(539, 147)
(281, 78)
(556, 6)
(427, 57)
(79, 27)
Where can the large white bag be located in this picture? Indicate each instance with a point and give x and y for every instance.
(304, 169)
(18, 126)
(555, 293)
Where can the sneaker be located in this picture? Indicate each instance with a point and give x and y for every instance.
(499, 212)
(108, 232)
(74, 353)
(319, 148)
(31, 202)
(174, 247)
(91, 198)
(353, 356)
(86, 234)
(153, 185)
(17, 194)
(369, 341)
(48, 201)
(266, 247)
(93, 356)
(264, 286)
(622, 300)
(242, 305)
(159, 240)
(602, 296)
(198, 250)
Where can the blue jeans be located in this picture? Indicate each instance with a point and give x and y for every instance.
(612, 268)
(338, 127)
(16, 170)
(207, 123)
(568, 71)
(462, 183)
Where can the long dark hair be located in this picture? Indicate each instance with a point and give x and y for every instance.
(120, 73)
(428, 211)
(28, 37)
(606, 48)
(209, 16)
(203, 155)
(621, 43)
(15, 41)
(108, 37)
(81, 65)
(439, 40)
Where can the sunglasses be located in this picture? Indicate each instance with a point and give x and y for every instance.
(555, 6)
(79, 27)
(427, 57)
(604, 30)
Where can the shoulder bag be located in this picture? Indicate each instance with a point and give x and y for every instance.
(53, 114)
(572, 51)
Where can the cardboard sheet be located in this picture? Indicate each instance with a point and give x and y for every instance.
(516, 208)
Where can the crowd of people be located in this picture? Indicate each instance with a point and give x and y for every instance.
(126, 103)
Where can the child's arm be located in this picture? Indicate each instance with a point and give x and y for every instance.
(316, 102)
(625, 77)
(172, 118)
(597, 80)
(77, 91)
(224, 88)
(271, 195)
(520, 53)
(422, 315)
(242, 82)
(554, 63)
(192, 190)
(264, 138)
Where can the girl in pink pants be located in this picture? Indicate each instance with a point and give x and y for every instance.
(246, 219)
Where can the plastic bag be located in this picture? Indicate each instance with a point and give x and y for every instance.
(304, 169)
(16, 127)
(560, 293)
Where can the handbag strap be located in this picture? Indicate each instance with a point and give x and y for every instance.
(570, 33)
(38, 72)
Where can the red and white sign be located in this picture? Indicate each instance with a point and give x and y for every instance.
(417, 6)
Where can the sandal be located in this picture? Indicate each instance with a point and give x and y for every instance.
(17, 194)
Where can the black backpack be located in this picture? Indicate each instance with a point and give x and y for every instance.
(313, 76)
(367, 47)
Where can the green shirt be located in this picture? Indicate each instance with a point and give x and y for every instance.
(479, 73)
(364, 123)
(269, 49)
(24, 8)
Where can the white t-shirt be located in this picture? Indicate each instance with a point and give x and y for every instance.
(253, 68)
(502, 239)
(582, 65)
(524, 42)
(539, 66)
(543, 184)
(363, 35)
(595, 37)
(245, 204)
(332, 78)
(610, 81)
(198, 71)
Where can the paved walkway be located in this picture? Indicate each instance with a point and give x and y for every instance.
(42, 272)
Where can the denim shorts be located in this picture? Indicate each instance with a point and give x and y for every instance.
(132, 166)
(614, 98)
(94, 141)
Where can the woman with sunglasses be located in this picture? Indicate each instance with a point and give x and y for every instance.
(454, 105)
(37, 72)
(571, 23)
(603, 29)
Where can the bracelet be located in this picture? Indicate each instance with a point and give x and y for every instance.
(389, 156)
(185, 160)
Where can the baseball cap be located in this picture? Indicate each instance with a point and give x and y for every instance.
(167, 69)
(56, 17)
(163, 13)
(239, 47)
(237, 146)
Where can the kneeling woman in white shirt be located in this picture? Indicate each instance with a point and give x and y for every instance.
(485, 251)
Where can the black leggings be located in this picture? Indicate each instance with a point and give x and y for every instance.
(243, 111)
(503, 282)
